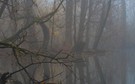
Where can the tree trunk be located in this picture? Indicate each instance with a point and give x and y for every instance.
(79, 46)
(68, 33)
(103, 20)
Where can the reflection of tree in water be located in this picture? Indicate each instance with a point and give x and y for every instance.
(79, 47)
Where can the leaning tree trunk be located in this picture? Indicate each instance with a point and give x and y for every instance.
(103, 20)
(3, 6)
(46, 38)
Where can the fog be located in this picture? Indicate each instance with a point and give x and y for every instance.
(67, 42)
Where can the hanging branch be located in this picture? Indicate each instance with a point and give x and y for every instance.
(37, 20)
(17, 50)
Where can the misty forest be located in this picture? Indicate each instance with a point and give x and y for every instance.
(67, 42)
